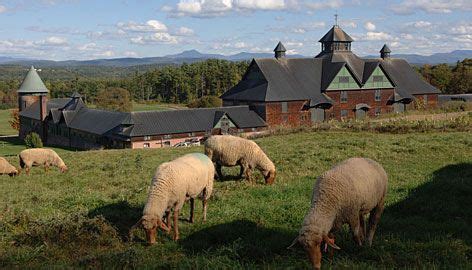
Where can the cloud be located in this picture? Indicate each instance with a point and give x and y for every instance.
(376, 36)
(2, 9)
(184, 31)
(149, 26)
(130, 54)
(214, 8)
(431, 6)
(54, 30)
(156, 38)
(369, 26)
(419, 24)
(465, 28)
(53, 41)
(299, 29)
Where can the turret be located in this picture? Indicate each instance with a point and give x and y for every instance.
(385, 52)
(280, 51)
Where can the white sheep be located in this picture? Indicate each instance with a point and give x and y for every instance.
(344, 194)
(7, 168)
(227, 150)
(175, 182)
(40, 156)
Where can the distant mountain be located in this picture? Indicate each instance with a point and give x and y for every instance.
(437, 58)
(192, 56)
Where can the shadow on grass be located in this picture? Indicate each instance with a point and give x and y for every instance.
(120, 215)
(446, 199)
(12, 140)
(241, 239)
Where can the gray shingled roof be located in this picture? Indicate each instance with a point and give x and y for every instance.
(385, 49)
(32, 83)
(308, 78)
(33, 110)
(280, 47)
(187, 121)
(407, 81)
(336, 34)
(285, 80)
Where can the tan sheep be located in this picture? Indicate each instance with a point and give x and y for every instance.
(344, 194)
(175, 182)
(7, 168)
(227, 150)
(40, 156)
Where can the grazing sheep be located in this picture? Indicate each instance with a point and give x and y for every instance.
(227, 150)
(344, 194)
(40, 156)
(175, 182)
(7, 168)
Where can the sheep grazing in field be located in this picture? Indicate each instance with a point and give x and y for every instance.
(227, 150)
(344, 194)
(175, 182)
(7, 168)
(40, 156)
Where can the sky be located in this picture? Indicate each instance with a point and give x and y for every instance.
(91, 29)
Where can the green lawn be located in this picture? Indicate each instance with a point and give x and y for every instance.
(5, 128)
(81, 218)
(137, 107)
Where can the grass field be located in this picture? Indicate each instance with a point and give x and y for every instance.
(137, 107)
(81, 218)
(5, 128)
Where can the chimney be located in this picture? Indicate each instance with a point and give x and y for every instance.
(280, 51)
(43, 104)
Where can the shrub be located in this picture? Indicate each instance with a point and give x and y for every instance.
(456, 106)
(33, 140)
(206, 102)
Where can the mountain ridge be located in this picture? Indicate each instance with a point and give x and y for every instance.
(191, 56)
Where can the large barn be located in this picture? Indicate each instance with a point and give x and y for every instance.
(69, 122)
(335, 84)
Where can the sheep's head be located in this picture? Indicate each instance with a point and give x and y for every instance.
(14, 172)
(63, 168)
(312, 246)
(269, 177)
(150, 225)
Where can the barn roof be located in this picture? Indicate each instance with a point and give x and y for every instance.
(32, 83)
(336, 34)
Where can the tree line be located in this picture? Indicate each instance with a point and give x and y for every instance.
(189, 83)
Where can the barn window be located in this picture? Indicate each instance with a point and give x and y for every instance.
(343, 113)
(167, 136)
(147, 138)
(284, 107)
(146, 145)
(425, 99)
(377, 111)
(378, 96)
(343, 96)
(378, 78)
(284, 118)
(343, 79)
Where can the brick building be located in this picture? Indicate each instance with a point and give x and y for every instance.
(69, 122)
(336, 84)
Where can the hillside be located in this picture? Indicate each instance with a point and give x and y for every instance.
(81, 218)
(192, 56)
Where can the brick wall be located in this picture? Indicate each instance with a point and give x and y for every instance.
(295, 115)
(355, 97)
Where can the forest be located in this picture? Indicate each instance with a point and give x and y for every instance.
(184, 83)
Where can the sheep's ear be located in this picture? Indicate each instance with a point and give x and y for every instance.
(294, 242)
(330, 242)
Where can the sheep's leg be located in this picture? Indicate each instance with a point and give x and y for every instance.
(192, 208)
(331, 250)
(204, 202)
(176, 225)
(355, 229)
(218, 171)
(46, 167)
(374, 218)
(27, 170)
(241, 170)
(247, 172)
(363, 227)
(167, 220)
